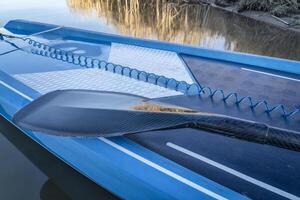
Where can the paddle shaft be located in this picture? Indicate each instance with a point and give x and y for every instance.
(248, 130)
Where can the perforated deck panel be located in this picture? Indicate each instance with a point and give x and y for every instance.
(91, 79)
(160, 62)
(165, 63)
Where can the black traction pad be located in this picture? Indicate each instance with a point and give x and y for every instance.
(274, 166)
(232, 78)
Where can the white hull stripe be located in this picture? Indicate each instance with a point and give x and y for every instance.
(16, 91)
(233, 172)
(47, 31)
(270, 74)
(163, 170)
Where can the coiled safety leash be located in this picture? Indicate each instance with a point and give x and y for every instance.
(45, 50)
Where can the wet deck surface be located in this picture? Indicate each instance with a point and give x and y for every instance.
(275, 88)
(271, 165)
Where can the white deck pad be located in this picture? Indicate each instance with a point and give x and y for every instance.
(166, 63)
(91, 79)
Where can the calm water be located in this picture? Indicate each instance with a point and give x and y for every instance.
(189, 24)
(29, 172)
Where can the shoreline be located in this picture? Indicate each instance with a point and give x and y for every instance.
(285, 22)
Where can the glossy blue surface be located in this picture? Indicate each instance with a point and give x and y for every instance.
(101, 162)
(94, 158)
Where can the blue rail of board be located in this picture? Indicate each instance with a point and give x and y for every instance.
(24, 27)
(284, 65)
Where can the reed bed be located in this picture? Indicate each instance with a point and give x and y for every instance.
(192, 24)
(153, 19)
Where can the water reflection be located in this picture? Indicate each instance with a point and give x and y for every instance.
(49, 177)
(50, 191)
(191, 24)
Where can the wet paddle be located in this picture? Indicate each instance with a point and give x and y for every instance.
(92, 113)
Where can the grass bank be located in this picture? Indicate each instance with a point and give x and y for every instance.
(278, 8)
(284, 13)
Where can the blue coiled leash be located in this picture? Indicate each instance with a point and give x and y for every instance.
(170, 83)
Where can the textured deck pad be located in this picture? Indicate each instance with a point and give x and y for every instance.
(232, 78)
(91, 79)
(165, 63)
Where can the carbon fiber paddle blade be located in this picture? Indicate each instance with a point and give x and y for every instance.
(94, 113)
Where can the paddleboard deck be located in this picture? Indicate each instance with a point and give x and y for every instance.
(159, 164)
